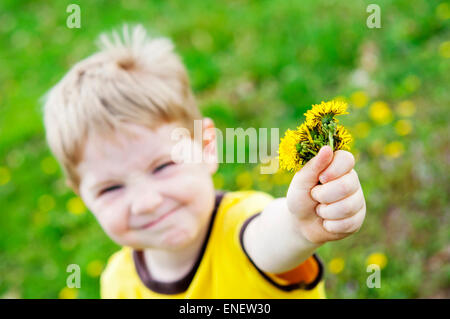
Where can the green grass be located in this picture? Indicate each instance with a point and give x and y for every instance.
(252, 64)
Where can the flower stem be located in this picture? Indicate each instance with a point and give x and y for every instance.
(331, 140)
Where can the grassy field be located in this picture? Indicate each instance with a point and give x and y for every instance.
(252, 64)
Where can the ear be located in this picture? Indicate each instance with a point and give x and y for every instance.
(209, 145)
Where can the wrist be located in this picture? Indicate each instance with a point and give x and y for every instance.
(298, 226)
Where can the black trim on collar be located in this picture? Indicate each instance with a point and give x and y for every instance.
(181, 285)
(290, 287)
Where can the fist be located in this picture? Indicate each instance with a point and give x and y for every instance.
(326, 198)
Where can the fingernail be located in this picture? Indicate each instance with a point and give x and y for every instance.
(322, 179)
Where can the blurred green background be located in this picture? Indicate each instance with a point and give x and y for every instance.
(252, 64)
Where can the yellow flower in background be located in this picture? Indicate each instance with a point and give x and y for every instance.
(443, 11)
(380, 112)
(403, 127)
(46, 203)
(362, 129)
(244, 180)
(5, 176)
(76, 206)
(95, 268)
(324, 111)
(394, 149)
(444, 49)
(379, 259)
(49, 165)
(359, 99)
(336, 265)
(406, 108)
(68, 293)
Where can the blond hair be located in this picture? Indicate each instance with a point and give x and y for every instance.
(134, 79)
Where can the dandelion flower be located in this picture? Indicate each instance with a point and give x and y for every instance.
(323, 113)
(298, 146)
(336, 265)
(377, 258)
(288, 154)
(342, 138)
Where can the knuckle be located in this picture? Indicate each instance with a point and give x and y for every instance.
(346, 186)
(346, 208)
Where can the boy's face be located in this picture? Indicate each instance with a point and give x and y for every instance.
(139, 195)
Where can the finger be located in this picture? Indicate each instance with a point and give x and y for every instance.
(347, 225)
(342, 163)
(299, 192)
(342, 209)
(308, 176)
(336, 190)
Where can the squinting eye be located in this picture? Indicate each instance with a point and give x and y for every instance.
(161, 167)
(110, 189)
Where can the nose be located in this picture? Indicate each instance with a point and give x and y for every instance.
(145, 199)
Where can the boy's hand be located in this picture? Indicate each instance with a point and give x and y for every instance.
(333, 209)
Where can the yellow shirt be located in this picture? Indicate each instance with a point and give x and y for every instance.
(223, 269)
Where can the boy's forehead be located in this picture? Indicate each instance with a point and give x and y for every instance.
(125, 149)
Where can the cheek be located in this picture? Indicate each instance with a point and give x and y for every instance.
(113, 219)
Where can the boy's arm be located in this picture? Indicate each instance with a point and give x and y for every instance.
(290, 229)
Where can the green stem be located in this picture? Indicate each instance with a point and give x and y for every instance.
(331, 140)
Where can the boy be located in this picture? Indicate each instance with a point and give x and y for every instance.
(109, 122)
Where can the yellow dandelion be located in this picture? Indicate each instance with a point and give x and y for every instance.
(76, 206)
(342, 138)
(95, 268)
(403, 127)
(289, 158)
(5, 176)
(336, 265)
(406, 108)
(359, 99)
(379, 259)
(380, 112)
(320, 113)
(68, 293)
(320, 129)
(394, 149)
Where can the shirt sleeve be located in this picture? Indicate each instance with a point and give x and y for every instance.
(305, 276)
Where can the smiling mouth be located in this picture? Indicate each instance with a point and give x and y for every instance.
(156, 221)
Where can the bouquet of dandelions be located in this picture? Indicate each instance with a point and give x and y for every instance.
(320, 128)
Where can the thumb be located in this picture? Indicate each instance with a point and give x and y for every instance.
(308, 176)
(299, 193)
